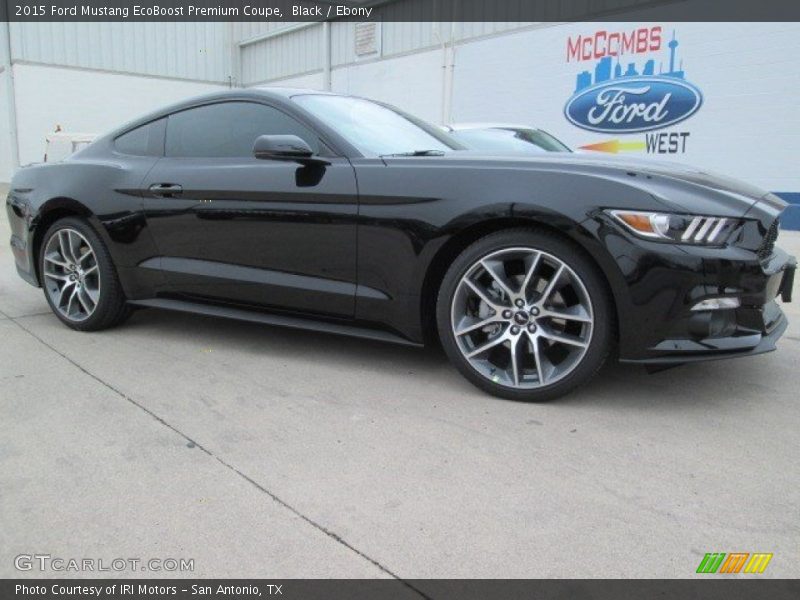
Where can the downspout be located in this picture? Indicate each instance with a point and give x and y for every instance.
(450, 71)
(448, 67)
(326, 60)
(234, 57)
(10, 91)
(443, 116)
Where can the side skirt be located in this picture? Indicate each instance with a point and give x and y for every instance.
(240, 314)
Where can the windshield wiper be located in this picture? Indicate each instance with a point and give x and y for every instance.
(417, 153)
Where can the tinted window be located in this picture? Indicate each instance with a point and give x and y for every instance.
(229, 129)
(146, 140)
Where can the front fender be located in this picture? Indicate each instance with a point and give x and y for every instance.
(413, 213)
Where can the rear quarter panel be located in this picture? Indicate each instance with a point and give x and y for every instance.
(104, 191)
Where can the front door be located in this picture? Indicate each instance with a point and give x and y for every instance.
(230, 227)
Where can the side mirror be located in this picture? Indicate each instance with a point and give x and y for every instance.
(281, 147)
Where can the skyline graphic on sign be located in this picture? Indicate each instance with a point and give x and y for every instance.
(604, 72)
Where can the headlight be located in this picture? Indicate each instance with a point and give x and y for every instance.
(682, 229)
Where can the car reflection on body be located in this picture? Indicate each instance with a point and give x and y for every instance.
(499, 138)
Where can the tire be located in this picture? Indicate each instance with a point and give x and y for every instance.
(78, 277)
(555, 312)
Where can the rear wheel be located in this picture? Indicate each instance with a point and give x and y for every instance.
(525, 315)
(78, 277)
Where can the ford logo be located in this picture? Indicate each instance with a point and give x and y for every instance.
(631, 104)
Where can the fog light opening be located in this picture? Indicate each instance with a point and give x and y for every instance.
(717, 304)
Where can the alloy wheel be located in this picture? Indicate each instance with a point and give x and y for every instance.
(522, 318)
(71, 274)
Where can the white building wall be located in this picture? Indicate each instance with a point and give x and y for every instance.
(86, 102)
(293, 53)
(745, 72)
(472, 30)
(412, 82)
(297, 48)
(245, 30)
(400, 73)
(182, 50)
(312, 81)
(5, 133)
(90, 77)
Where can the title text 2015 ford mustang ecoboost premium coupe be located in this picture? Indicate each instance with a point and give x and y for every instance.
(307, 209)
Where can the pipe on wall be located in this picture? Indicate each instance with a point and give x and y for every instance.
(448, 68)
(234, 58)
(8, 70)
(326, 56)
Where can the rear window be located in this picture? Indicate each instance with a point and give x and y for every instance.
(147, 140)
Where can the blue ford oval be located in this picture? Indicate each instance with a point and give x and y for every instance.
(632, 104)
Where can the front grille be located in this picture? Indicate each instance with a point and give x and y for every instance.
(768, 243)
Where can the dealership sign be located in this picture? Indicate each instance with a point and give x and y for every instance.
(637, 104)
(634, 85)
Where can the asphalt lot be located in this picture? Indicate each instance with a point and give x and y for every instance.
(263, 452)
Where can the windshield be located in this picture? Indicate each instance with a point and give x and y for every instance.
(375, 129)
(509, 140)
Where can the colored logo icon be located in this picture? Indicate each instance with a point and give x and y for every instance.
(734, 562)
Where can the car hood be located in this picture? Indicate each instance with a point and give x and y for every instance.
(679, 187)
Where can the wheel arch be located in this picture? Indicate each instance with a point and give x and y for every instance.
(444, 257)
(50, 212)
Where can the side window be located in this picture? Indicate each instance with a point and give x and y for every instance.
(229, 129)
(147, 140)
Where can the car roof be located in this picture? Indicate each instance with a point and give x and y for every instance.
(281, 94)
(288, 92)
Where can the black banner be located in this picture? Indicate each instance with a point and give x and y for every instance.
(393, 589)
(290, 11)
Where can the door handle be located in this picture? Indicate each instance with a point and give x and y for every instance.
(166, 190)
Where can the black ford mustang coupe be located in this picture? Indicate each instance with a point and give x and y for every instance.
(307, 209)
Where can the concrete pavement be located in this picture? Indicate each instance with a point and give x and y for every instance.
(263, 452)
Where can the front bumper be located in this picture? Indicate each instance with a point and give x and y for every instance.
(720, 348)
(753, 328)
(662, 282)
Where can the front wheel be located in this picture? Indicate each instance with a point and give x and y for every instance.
(525, 315)
(78, 277)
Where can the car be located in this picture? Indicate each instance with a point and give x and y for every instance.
(505, 138)
(315, 210)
